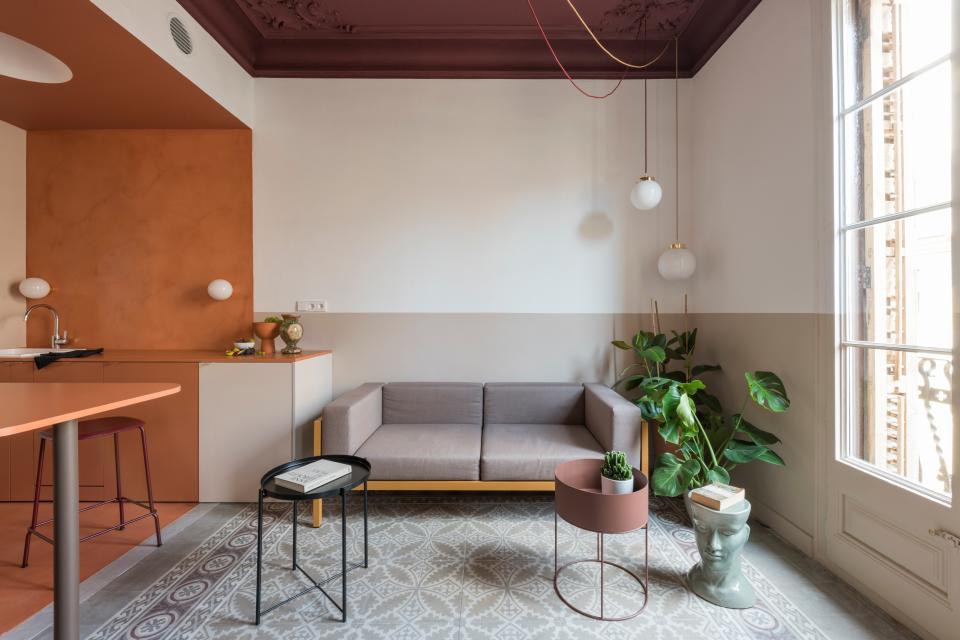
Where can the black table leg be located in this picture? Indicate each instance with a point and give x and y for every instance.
(294, 566)
(343, 548)
(259, 548)
(365, 564)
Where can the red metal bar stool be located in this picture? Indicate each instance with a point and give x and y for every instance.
(89, 429)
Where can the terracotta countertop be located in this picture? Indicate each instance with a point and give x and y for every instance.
(167, 355)
(29, 406)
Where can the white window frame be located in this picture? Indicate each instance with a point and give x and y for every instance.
(843, 228)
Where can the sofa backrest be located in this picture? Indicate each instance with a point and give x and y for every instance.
(533, 403)
(433, 403)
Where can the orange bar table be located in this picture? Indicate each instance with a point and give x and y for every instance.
(32, 406)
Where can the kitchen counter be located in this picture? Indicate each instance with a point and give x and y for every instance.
(168, 355)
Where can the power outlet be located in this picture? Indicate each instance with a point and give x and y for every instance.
(312, 306)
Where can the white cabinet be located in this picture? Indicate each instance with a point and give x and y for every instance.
(253, 417)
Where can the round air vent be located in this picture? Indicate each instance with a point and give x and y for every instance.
(180, 35)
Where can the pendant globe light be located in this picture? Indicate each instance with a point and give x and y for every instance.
(677, 262)
(646, 194)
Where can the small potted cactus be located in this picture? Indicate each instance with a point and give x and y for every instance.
(616, 475)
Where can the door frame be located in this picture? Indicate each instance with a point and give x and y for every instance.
(828, 401)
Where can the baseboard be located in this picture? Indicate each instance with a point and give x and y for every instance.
(878, 600)
(782, 527)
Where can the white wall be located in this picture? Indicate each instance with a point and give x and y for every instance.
(13, 233)
(754, 150)
(491, 196)
(759, 220)
(208, 66)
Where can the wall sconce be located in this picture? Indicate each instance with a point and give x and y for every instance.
(219, 289)
(34, 288)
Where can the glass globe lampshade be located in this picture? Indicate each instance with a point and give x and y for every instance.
(34, 288)
(646, 194)
(677, 262)
(219, 289)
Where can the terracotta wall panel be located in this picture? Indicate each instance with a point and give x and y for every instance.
(129, 226)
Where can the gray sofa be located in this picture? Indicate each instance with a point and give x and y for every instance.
(453, 431)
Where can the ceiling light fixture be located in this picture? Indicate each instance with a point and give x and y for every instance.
(626, 65)
(677, 262)
(646, 194)
(21, 60)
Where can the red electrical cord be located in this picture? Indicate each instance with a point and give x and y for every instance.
(563, 68)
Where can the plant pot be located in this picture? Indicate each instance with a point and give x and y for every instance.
(721, 536)
(291, 331)
(608, 485)
(267, 332)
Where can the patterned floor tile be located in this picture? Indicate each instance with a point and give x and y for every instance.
(443, 568)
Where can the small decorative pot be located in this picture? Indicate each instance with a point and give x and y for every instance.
(721, 536)
(267, 332)
(608, 485)
(291, 331)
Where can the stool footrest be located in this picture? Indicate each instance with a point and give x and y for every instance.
(150, 512)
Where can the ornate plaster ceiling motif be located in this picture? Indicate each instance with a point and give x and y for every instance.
(462, 38)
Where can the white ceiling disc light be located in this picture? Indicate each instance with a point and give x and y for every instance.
(24, 61)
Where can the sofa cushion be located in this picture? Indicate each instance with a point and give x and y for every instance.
(423, 452)
(531, 451)
(533, 403)
(433, 403)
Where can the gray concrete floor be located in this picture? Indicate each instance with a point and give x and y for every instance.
(838, 610)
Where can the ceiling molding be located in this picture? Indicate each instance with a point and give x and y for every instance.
(462, 38)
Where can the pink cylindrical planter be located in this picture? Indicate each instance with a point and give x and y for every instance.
(581, 502)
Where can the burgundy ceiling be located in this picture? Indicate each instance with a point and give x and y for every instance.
(462, 38)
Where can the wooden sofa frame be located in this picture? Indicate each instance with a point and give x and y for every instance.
(462, 485)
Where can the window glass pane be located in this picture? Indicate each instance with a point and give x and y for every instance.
(897, 149)
(899, 281)
(899, 414)
(885, 40)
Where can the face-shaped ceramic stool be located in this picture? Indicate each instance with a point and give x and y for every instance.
(720, 538)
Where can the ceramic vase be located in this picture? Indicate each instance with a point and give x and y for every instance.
(291, 331)
(721, 536)
(608, 485)
(267, 332)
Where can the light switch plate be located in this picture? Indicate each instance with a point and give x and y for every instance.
(312, 306)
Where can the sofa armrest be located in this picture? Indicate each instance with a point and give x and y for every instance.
(352, 418)
(617, 424)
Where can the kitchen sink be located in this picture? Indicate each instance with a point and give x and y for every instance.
(26, 353)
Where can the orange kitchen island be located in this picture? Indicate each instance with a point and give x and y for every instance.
(28, 407)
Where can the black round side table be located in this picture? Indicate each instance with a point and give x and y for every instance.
(359, 474)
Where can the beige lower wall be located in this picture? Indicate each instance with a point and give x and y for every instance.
(576, 347)
(787, 344)
(13, 233)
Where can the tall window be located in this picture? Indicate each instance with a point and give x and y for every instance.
(894, 124)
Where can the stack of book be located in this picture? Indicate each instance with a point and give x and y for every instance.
(718, 496)
(311, 476)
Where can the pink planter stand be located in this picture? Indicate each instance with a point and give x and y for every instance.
(580, 501)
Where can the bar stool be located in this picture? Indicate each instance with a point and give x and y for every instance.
(87, 430)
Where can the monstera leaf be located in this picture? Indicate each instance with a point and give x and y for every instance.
(672, 476)
(767, 390)
(741, 451)
(756, 434)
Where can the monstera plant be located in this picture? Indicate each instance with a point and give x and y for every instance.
(709, 443)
